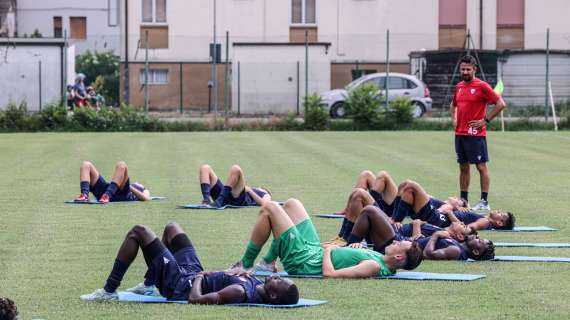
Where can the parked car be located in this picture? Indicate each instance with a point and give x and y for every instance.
(399, 85)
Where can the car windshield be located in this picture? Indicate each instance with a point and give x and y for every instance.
(353, 84)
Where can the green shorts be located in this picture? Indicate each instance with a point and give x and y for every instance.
(300, 249)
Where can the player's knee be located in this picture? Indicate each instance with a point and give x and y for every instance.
(357, 192)
(235, 169)
(382, 174)
(290, 203)
(121, 165)
(139, 230)
(366, 173)
(172, 227)
(86, 164)
(205, 167)
(370, 211)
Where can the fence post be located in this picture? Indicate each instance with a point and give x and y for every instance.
(547, 74)
(181, 91)
(386, 86)
(298, 85)
(146, 72)
(40, 82)
(306, 67)
(64, 76)
(226, 81)
(239, 88)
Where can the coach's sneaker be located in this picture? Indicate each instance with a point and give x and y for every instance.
(104, 198)
(100, 295)
(144, 290)
(82, 198)
(265, 266)
(482, 206)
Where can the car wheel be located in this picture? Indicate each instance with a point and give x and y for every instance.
(418, 109)
(338, 110)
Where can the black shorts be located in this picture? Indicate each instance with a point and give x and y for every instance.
(471, 149)
(122, 194)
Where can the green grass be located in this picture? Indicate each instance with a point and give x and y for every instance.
(51, 253)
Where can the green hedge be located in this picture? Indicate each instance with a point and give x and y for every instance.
(16, 118)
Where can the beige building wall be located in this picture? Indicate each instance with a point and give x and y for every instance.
(539, 15)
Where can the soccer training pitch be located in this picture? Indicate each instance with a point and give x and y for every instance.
(51, 252)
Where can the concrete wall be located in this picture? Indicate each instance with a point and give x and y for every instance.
(539, 16)
(268, 79)
(20, 73)
(524, 77)
(34, 14)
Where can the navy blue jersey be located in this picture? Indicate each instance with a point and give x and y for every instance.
(443, 243)
(216, 281)
(469, 217)
(427, 230)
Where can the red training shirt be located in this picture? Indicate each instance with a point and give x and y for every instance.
(471, 100)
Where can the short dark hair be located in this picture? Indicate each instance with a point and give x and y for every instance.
(288, 296)
(509, 223)
(8, 310)
(487, 254)
(414, 256)
(469, 59)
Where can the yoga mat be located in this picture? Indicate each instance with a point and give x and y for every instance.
(93, 201)
(404, 275)
(132, 297)
(208, 207)
(526, 259)
(531, 245)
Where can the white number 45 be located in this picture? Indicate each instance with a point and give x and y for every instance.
(472, 131)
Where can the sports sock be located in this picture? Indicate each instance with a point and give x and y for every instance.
(251, 252)
(84, 186)
(116, 275)
(273, 252)
(205, 190)
(112, 189)
(465, 195)
(484, 195)
(401, 211)
(347, 229)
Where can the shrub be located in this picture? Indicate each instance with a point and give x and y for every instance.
(102, 72)
(15, 117)
(363, 104)
(399, 115)
(316, 117)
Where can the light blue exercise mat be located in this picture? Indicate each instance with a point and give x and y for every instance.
(531, 245)
(329, 215)
(138, 298)
(209, 207)
(94, 201)
(526, 259)
(526, 229)
(404, 275)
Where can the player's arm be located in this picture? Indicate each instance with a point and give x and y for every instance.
(448, 211)
(142, 196)
(417, 228)
(499, 106)
(449, 253)
(259, 200)
(364, 269)
(230, 294)
(480, 224)
(452, 109)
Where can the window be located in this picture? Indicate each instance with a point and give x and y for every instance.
(452, 23)
(303, 12)
(394, 83)
(155, 76)
(510, 24)
(57, 29)
(154, 11)
(357, 73)
(78, 26)
(112, 13)
(410, 84)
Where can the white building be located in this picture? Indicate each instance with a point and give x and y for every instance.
(89, 25)
(352, 31)
(35, 71)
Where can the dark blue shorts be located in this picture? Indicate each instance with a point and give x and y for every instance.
(471, 149)
(430, 213)
(123, 194)
(216, 189)
(173, 273)
(244, 199)
(380, 203)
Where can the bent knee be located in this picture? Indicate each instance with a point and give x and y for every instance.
(235, 169)
(139, 229)
(205, 167)
(291, 202)
(121, 165)
(172, 226)
(86, 164)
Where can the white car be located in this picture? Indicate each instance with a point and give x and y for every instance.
(399, 85)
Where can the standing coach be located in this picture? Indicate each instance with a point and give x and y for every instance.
(469, 114)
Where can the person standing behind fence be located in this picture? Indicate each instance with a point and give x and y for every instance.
(81, 98)
(469, 115)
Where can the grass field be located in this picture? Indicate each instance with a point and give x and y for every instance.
(51, 253)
